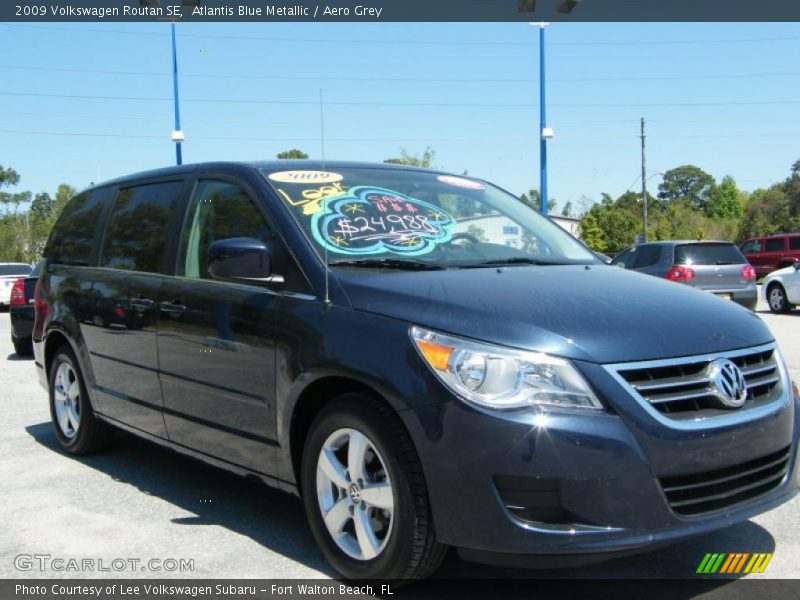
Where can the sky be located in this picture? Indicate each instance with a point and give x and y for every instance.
(87, 102)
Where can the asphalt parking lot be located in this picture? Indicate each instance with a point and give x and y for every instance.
(138, 501)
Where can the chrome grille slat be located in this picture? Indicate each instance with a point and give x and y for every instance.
(762, 381)
(748, 371)
(678, 382)
(682, 389)
(662, 398)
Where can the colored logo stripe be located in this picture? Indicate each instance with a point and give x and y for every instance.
(734, 562)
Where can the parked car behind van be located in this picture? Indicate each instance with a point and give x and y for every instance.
(716, 267)
(9, 273)
(782, 289)
(22, 312)
(425, 360)
(773, 252)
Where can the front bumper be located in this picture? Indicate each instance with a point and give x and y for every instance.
(592, 481)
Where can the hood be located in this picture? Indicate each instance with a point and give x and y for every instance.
(600, 313)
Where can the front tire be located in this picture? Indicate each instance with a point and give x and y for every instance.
(77, 428)
(776, 298)
(365, 494)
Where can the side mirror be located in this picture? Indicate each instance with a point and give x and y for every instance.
(241, 259)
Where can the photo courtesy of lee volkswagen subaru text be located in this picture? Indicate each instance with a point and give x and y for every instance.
(428, 362)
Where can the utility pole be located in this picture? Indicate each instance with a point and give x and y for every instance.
(644, 182)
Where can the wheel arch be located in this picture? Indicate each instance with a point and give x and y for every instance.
(311, 400)
(57, 338)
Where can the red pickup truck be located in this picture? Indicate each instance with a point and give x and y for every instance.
(769, 253)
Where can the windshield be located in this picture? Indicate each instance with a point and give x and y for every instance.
(14, 269)
(395, 218)
(708, 254)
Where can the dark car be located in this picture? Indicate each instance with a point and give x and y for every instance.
(716, 267)
(773, 252)
(22, 312)
(427, 361)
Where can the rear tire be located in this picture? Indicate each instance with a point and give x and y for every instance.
(77, 428)
(384, 533)
(23, 346)
(776, 299)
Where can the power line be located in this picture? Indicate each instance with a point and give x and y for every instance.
(392, 138)
(402, 104)
(403, 79)
(383, 41)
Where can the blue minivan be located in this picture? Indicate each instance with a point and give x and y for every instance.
(428, 362)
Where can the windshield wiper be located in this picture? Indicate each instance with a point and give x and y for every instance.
(388, 263)
(516, 260)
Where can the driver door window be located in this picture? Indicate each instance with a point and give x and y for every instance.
(218, 210)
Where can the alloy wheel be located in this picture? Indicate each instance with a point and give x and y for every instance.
(66, 399)
(776, 299)
(355, 494)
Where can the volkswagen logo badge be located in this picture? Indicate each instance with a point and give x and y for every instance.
(728, 383)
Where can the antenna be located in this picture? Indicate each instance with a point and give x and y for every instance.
(327, 301)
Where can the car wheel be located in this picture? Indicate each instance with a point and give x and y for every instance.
(776, 298)
(77, 428)
(23, 346)
(365, 494)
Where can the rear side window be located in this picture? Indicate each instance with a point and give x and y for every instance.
(794, 243)
(138, 227)
(708, 254)
(647, 256)
(775, 245)
(751, 247)
(73, 236)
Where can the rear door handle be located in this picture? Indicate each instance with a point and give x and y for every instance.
(142, 304)
(174, 308)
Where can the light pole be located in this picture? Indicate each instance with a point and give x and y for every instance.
(545, 132)
(177, 134)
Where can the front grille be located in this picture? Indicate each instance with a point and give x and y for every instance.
(699, 493)
(682, 389)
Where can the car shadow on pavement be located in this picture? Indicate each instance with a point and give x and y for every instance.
(215, 497)
(15, 356)
(277, 521)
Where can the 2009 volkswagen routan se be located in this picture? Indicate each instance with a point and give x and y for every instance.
(428, 362)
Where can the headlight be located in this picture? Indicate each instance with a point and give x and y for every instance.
(502, 378)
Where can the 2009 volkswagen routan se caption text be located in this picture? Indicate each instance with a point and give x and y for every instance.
(423, 358)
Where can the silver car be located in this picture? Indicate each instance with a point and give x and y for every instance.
(717, 267)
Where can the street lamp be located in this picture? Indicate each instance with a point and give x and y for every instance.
(177, 134)
(545, 132)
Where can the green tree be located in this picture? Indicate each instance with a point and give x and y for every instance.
(292, 154)
(724, 200)
(567, 210)
(534, 199)
(686, 183)
(592, 234)
(414, 160)
(478, 233)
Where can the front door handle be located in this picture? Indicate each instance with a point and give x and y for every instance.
(173, 308)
